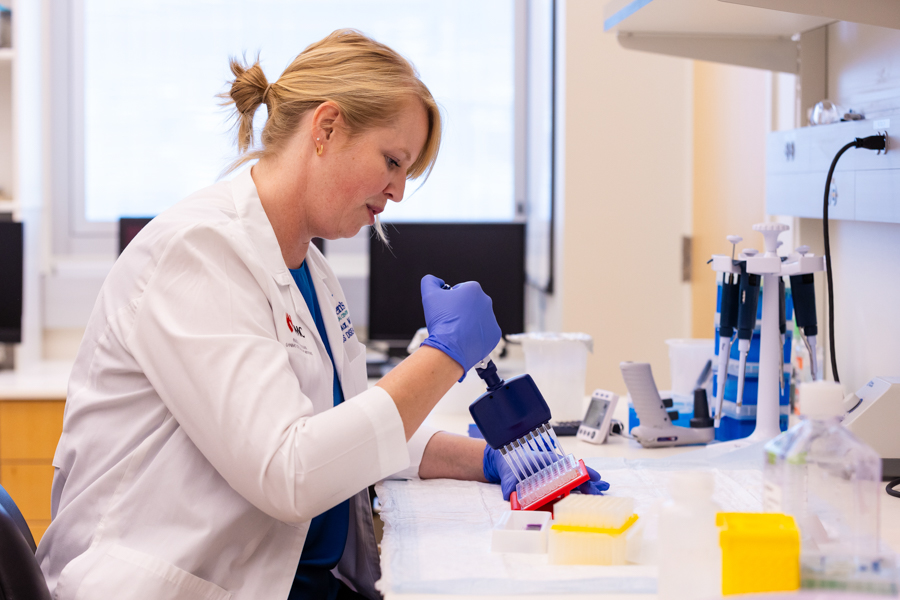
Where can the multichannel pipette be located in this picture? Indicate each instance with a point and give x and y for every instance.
(514, 419)
(748, 301)
(727, 323)
(803, 292)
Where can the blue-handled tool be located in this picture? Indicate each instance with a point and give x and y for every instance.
(748, 302)
(514, 419)
(728, 311)
(803, 292)
(727, 324)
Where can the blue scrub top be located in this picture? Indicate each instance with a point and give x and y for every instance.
(327, 534)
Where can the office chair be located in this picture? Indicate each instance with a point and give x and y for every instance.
(20, 575)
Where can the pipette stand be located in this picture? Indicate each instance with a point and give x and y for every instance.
(771, 267)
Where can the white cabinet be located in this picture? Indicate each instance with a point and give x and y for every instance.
(865, 185)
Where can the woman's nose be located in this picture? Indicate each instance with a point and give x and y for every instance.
(396, 187)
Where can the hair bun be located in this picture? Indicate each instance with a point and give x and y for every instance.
(249, 89)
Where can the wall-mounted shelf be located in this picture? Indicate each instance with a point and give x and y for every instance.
(881, 13)
(865, 186)
(711, 30)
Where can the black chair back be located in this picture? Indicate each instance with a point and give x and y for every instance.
(20, 575)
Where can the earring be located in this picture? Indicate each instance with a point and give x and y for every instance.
(319, 148)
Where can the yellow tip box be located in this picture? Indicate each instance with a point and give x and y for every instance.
(760, 552)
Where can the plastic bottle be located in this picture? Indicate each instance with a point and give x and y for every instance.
(830, 482)
(690, 559)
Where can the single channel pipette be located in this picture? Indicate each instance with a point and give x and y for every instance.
(727, 323)
(748, 302)
(782, 327)
(803, 292)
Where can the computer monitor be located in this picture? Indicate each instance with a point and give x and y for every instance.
(11, 274)
(129, 227)
(493, 254)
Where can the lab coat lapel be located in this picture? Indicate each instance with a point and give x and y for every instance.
(307, 320)
(256, 224)
(328, 292)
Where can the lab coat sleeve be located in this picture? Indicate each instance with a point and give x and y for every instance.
(416, 446)
(204, 335)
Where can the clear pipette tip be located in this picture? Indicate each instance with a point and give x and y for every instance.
(741, 368)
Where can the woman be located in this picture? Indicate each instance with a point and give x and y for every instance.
(219, 436)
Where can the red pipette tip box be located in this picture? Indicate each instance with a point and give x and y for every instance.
(545, 501)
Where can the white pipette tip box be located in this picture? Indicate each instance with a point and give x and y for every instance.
(521, 531)
(594, 530)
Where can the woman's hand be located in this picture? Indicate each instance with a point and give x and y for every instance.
(496, 470)
(460, 321)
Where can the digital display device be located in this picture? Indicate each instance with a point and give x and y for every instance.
(493, 254)
(594, 427)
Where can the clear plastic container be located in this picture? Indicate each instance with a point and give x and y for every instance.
(690, 559)
(558, 364)
(687, 357)
(830, 482)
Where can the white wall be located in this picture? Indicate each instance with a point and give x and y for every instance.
(627, 200)
(863, 74)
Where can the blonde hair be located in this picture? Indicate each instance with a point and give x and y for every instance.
(369, 83)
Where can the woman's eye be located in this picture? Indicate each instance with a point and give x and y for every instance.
(391, 162)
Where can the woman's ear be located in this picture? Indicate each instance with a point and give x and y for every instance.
(326, 119)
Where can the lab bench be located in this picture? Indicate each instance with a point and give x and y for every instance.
(618, 449)
(32, 402)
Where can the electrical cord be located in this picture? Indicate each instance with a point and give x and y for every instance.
(890, 488)
(617, 428)
(873, 142)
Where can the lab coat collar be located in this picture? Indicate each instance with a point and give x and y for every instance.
(257, 225)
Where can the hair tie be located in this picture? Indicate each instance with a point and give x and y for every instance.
(265, 96)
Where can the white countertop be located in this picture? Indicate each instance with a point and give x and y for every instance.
(46, 380)
(457, 421)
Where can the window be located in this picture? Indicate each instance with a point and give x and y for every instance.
(135, 124)
(153, 131)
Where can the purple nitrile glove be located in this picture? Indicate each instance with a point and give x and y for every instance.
(460, 321)
(496, 470)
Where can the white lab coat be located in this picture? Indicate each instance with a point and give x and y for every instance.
(200, 435)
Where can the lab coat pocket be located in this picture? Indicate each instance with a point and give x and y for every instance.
(127, 574)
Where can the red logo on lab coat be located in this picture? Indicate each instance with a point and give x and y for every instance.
(294, 328)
